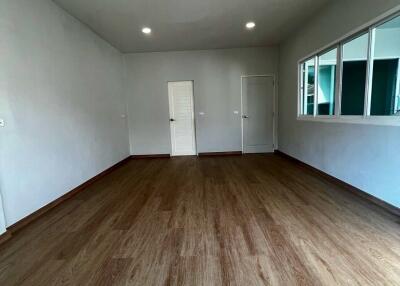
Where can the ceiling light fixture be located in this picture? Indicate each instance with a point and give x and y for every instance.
(250, 25)
(146, 30)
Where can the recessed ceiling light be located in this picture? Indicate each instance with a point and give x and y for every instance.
(250, 25)
(146, 30)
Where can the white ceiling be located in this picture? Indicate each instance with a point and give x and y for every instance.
(191, 24)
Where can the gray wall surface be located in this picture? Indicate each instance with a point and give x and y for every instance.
(61, 96)
(362, 155)
(217, 93)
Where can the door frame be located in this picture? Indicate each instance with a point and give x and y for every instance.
(274, 108)
(194, 116)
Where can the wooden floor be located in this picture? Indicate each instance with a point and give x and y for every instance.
(244, 220)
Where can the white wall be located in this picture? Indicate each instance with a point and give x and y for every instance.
(217, 92)
(364, 156)
(61, 96)
(2, 218)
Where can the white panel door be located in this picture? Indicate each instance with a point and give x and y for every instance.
(258, 107)
(182, 118)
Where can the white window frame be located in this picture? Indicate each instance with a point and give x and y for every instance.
(370, 29)
(300, 108)
(316, 115)
(397, 99)
(355, 36)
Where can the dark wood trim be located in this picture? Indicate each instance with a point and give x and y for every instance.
(37, 214)
(151, 156)
(360, 193)
(230, 153)
(5, 237)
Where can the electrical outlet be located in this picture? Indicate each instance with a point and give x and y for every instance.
(2, 123)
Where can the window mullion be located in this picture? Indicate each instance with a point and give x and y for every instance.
(316, 84)
(304, 83)
(339, 75)
(397, 95)
(300, 90)
(370, 71)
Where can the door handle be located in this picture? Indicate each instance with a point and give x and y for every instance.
(172, 120)
(245, 117)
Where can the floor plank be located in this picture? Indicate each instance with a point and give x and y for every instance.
(234, 220)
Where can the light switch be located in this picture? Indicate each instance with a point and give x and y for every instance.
(2, 123)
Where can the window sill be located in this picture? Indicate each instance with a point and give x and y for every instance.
(372, 120)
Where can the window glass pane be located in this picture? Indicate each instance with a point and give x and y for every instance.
(385, 83)
(308, 87)
(327, 83)
(354, 75)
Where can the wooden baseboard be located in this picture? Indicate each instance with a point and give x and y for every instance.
(360, 193)
(37, 214)
(151, 156)
(231, 153)
(158, 156)
(5, 237)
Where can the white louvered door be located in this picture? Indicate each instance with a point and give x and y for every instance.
(182, 118)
